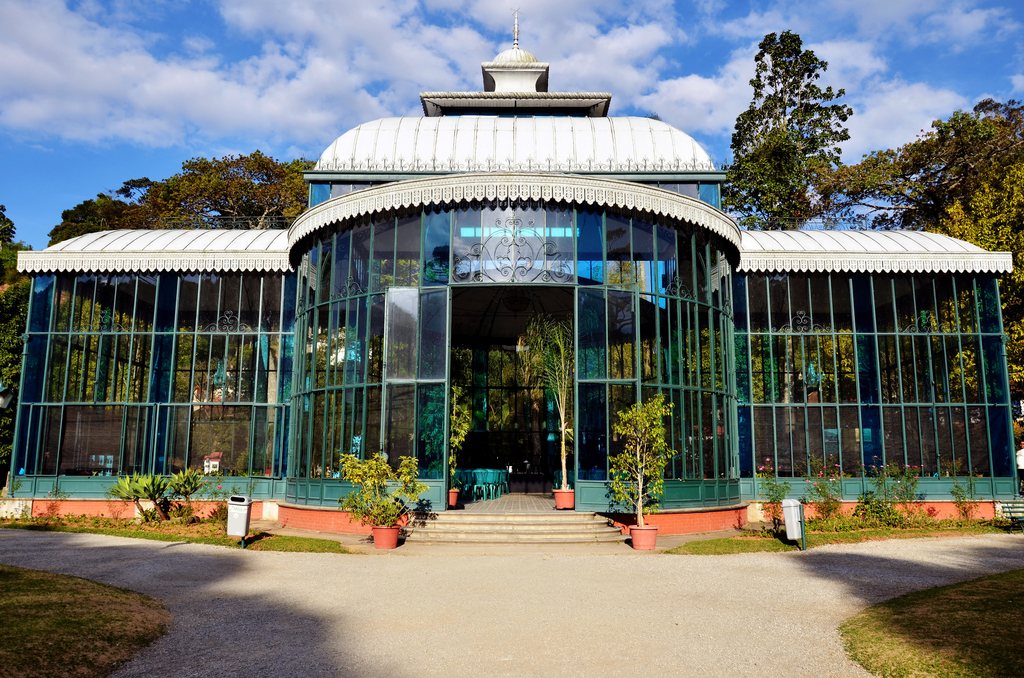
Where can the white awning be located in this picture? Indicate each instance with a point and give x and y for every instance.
(163, 250)
(866, 251)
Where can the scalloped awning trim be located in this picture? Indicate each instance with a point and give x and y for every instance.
(66, 262)
(877, 262)
(518, 186)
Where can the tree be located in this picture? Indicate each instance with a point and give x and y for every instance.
(915, 185)
(789, 132)
(991, 218)
(638, 472)
(13, 312)
(6, 227)
(254, 185)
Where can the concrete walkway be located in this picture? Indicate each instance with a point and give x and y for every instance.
(246, 613)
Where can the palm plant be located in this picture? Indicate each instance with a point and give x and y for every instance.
(559, 367)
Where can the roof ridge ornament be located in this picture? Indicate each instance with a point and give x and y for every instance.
(515, 28)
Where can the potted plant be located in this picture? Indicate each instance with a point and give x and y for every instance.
(381, 496)
(559, 368)
(461, 420)
(638, 471)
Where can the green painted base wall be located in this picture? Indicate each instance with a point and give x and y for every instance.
(929, 489)
(328, 492)
(95, 487)
(596, 495)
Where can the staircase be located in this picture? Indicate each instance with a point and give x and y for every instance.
(511, 528)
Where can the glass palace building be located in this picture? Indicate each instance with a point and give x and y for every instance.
(429, 244)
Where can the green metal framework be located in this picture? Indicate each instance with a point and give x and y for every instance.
(652, 313)
(869, 369)
(131, 372)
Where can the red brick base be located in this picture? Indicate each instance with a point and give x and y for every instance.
(686, 523)
(117, 509)
(935, 509)
(322, 520)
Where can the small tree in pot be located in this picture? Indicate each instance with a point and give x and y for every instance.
(381, 496)
(638, 471)
(559, 372)
(458, 429)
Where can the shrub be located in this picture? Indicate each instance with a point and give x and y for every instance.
(965, 498)
(825, 487)
(638, 471)
(773, 492)
(381, 494)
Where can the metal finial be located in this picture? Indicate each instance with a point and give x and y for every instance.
(515, 29)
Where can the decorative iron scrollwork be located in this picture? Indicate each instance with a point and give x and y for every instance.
(228, 322)
(512, 251)
(801, 324)
(106, 324)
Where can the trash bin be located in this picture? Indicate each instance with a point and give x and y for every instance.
(239, 510)
(792, 514)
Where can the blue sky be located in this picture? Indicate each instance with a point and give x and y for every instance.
(94, 93)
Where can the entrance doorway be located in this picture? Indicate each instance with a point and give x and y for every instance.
(515, 423)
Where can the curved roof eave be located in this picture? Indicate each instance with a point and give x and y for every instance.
(865, 252)
(163, 250)
(514, 186)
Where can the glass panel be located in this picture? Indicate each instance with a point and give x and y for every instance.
(433, 335)
(925, 303)
(821, 307)
(591, 346)
(593, 449)
(960, 452)
(778, 302)
(965, 303)
(621, 335)
(846, 363)
(764, 440)
(436, 247)
(431, 444)
(938, 364)
(995, 373)
(209, 300)
(929, 459)
(468, 232)
(710, 194)
(978, 431)
(906, 315)
(359, 272)
(849, 421)
(402, 321)
(885, 314)
(648, 326)
(946, 303)
(758, 291)
(998, 427)
(91, 440)
(319, 193)
(988, 304)
(619, 269)
(862, 303)
(355, 338)
(667, 265)
(382, 268)
(401, 423)
(557, 246)
(746, 443)
(944, 443)
(589, 247)
(407, 251)
(892, 422)
(342, 255)
(783, 449)
(889, 369)
(374, 343)
(271, 310)
(85, 288)
(841, 303)
(867, 377)
(63, 295)
(643, 255)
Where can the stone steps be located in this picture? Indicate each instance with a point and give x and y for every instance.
(511, 528)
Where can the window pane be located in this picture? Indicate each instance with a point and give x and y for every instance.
(436, 247)
(778, 301)
(431, 445)
(593, 448)
(841, 303)
(402, 322)
(592, 323)
(619, 270)
(382, 269)
(407, 251)
(821, 306)
(621, 335)
(988, 304)
(757, 290)
(433, 335)
(884, 313)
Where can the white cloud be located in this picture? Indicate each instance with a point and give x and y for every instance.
(890, 114)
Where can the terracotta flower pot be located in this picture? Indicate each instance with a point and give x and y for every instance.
(565, 499)
(644, 538)
(453, 497)
(385, 537)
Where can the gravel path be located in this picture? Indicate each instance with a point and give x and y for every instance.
(246, 613)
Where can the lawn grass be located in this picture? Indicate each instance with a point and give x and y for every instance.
(55, 625)
(758, 544)
(968, 629)
(206, 532)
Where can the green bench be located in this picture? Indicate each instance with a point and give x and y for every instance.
(1014, 512)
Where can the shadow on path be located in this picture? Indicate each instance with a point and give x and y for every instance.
(221, 626)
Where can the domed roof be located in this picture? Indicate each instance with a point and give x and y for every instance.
(515, 56)
(470, 143)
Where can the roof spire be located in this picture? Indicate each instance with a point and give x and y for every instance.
(515, 29)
